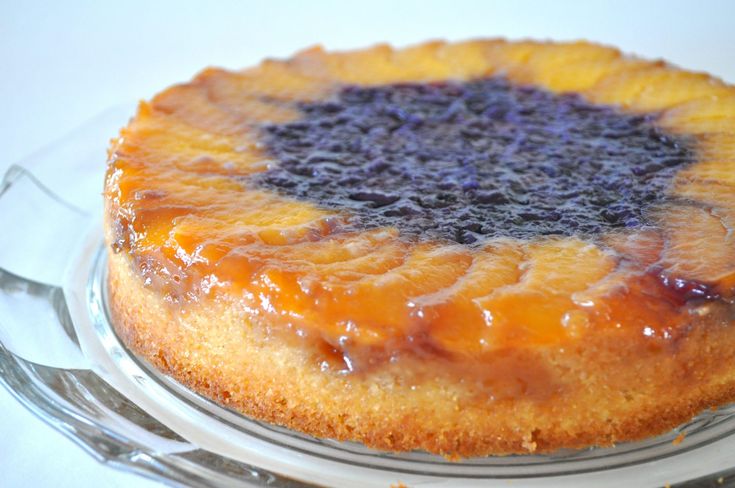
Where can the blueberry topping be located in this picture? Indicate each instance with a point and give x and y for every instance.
(485, 158)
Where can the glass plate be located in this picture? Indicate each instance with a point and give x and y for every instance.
(60, 357)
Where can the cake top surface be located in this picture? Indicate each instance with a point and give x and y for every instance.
(451, 199)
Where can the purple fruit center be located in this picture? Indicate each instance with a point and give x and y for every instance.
(485, 158)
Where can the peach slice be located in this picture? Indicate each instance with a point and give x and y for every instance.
(711, 114)
(370, 310)
(537, 309)
(458, 322)
(700, 246)
(516, 296)
(367, 67)
(467, 60)
(570, 66)
(279, 80)
(656, 88)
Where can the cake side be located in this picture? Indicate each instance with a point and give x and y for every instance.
(608, 389)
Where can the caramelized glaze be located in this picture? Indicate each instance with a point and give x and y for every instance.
(183, 204)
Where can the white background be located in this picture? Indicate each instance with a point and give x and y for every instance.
(63, 62)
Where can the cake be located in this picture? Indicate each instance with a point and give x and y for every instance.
(474, 248)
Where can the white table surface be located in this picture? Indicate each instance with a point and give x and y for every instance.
(63, 62)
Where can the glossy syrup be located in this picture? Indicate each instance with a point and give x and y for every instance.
(418, 169)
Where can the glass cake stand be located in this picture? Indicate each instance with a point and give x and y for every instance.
(60, 357)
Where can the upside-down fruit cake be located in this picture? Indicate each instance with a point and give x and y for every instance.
(473, 248)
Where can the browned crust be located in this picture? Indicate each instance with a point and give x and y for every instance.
(612, 390)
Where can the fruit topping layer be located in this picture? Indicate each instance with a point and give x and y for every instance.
(465, 161)
(360, 202)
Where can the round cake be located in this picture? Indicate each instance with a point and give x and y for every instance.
(473, 248)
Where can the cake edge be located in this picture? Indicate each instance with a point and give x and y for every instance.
(295, 394)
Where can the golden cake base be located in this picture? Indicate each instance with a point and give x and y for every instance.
(607, 390)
